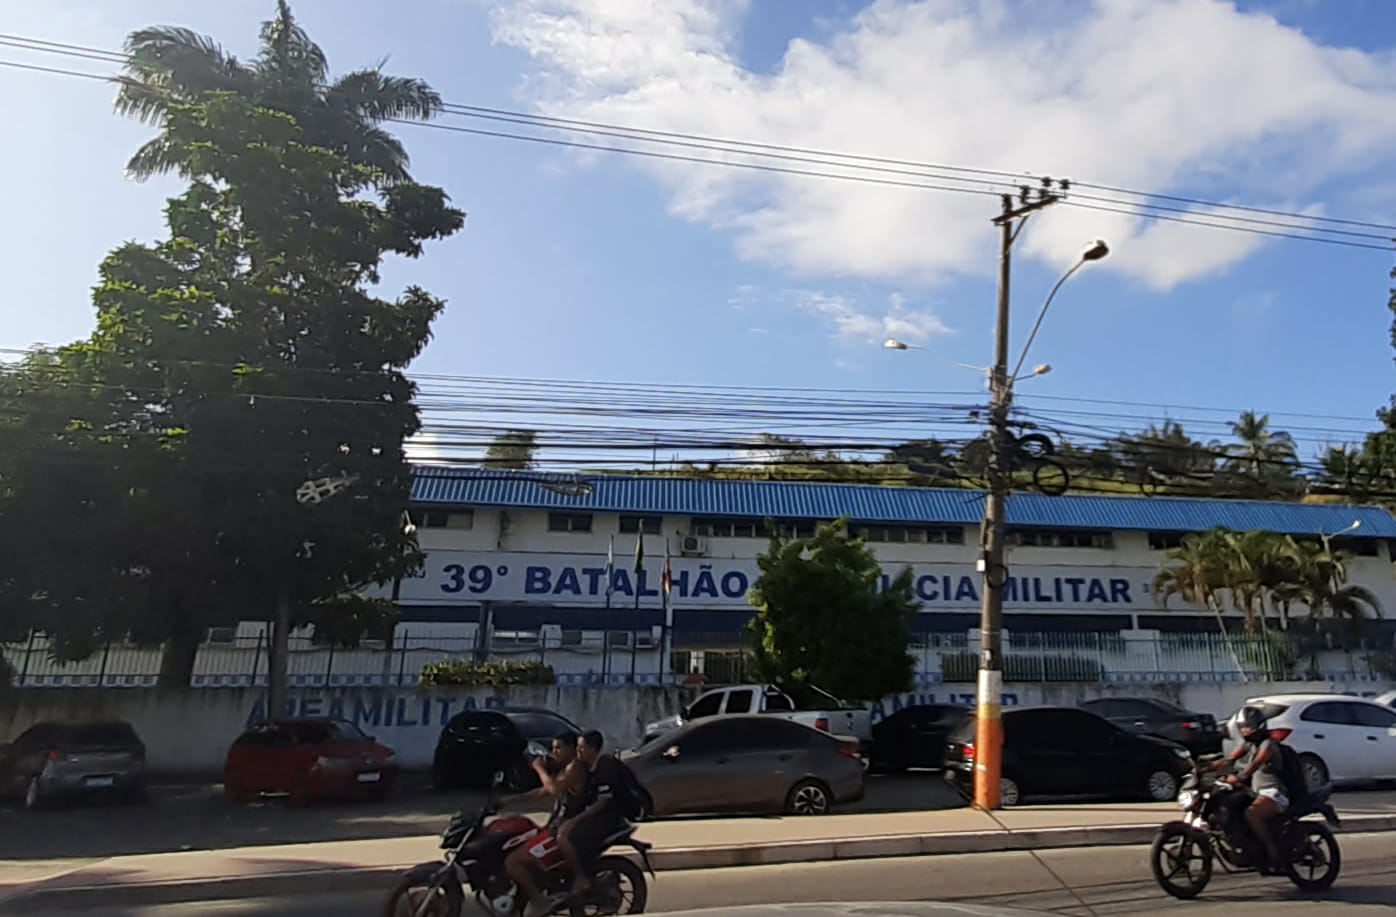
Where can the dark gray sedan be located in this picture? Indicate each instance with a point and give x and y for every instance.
(758, 764)
(52, 760)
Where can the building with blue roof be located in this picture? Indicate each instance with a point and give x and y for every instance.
(526, 553)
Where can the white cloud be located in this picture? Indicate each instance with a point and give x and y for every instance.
(853, 322)
(1156, 94)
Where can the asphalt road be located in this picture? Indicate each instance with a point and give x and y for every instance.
(1109, 880)
(197, 818)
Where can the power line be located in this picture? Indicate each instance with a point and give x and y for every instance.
(1302, 231)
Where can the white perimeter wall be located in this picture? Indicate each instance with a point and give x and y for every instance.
(189, 731)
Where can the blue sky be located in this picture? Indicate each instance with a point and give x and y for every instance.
(601, 267)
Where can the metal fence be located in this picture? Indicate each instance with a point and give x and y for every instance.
(629, 657)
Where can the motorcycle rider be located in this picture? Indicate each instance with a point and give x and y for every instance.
(564, 778)
(581, 838)
(1260, 757)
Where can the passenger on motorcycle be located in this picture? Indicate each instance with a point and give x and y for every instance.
(1261, 769)
(582, 838)
(564, 778)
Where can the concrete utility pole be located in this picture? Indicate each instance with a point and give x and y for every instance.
(988, 768)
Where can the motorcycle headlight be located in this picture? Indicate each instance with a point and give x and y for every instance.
(1186, 798)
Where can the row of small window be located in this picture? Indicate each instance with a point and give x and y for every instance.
(754, 527)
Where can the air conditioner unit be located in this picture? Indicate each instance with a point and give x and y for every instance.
(694, 546)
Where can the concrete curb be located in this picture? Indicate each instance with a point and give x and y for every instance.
(367, 878)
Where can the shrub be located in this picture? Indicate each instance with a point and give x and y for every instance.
(470, 673)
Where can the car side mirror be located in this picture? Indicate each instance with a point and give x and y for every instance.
(671, 753)
(498, 779)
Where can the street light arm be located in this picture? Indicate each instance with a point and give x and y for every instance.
(1042, 313)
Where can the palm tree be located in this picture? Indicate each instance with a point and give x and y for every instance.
(168, 65)
(1266, 457)
(1200, 571)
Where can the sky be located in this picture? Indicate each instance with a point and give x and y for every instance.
(600, 266)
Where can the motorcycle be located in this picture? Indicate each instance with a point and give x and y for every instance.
(1213, 828)
(476, 845)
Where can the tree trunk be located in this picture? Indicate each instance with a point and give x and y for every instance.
(278, 651)
(177, 659)
(1226, 637)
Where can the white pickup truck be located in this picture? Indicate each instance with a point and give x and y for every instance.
(833, 715)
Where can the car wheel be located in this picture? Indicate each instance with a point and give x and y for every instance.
(808, 797)
(1161, 786)
(1009, 792)
(1315, 771)
(646, 812)
(33, 795)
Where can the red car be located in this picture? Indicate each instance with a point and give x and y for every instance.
(308, 760)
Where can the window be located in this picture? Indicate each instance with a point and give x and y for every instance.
(569, 522)
(1336, 713)
(778, 703)
(1059, 538)
(707, 705)
(430, 519)
(739, 701)
(461, 519)
(630, 525)
(1165, 541)
(1359, 547)
(541, 726)
(728, 528)
(330, 731)
(912, 534)
(98, 735)
(713, 738)
(1374, 717)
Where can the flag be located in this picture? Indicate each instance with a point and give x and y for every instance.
(610, 570)
(639, 560)
(667, 577)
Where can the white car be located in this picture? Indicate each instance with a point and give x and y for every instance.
(1340, 739)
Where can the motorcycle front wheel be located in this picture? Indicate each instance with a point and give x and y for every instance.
(618, 886)
(1181, 860)
(416, 895)
(1316, 861)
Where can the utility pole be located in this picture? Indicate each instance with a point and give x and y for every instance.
(988, 761)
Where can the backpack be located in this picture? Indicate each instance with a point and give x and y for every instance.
(1292, 773)
(632, 796)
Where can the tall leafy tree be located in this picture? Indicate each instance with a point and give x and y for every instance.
(823, 619)
(169, 65)
(252, 342)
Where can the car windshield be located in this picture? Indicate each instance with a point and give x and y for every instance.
(118, 734)
(540, 725)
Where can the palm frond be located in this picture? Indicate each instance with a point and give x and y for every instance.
(288, 54)
(371, 145)
(379, 96)
(155, 157)
(167, 61)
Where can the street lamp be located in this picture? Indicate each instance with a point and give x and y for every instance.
(1092, 252)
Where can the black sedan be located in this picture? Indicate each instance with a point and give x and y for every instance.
(476, 744)
(915, 737)
(1064, 751)
(1198, 732)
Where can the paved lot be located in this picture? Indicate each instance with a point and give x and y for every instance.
(197, 818)
(1110, 880)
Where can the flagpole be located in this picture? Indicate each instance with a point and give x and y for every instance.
(639, 582)
(666, 640)
(610, 570)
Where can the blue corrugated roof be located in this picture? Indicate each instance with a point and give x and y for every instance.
(867, 503)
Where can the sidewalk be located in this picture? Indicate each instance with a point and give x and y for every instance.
(679, 844)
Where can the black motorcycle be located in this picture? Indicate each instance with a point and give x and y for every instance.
(1213, 828)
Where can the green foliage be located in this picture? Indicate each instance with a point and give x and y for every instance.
(475, 674)
(157, 462)
(513, 449)
(822, 619)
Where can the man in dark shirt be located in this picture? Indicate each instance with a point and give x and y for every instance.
(581, 839)
(564, 778)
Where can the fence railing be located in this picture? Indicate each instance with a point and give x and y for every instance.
(626, 657)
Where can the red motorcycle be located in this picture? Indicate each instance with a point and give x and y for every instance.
(476, 846)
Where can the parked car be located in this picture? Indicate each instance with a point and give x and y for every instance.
(1064, 751)
(820, 709)
(52, 760)
(915, 737)
(1197, 732)
(308, 760)
(747, 764)
(476, 744)
(1340, 739)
